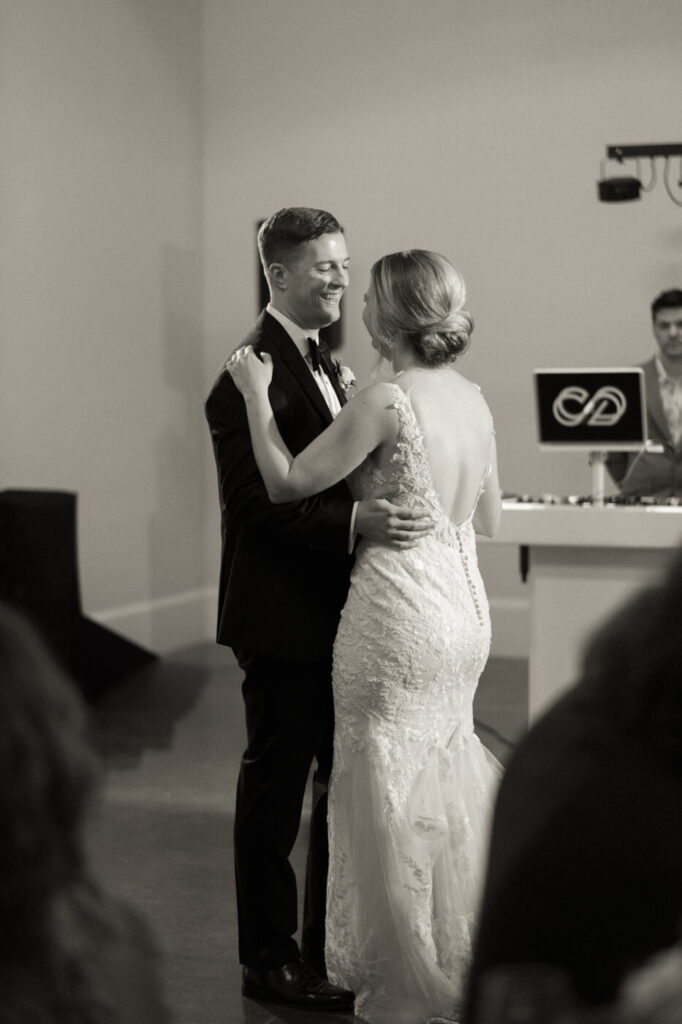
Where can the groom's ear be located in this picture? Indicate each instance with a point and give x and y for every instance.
(278, 275)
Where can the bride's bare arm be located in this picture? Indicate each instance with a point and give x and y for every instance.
(359, 428)
(489, 508)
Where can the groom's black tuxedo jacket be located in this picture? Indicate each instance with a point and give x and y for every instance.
(285, 568)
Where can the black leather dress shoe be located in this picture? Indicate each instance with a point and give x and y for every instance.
(295, 985)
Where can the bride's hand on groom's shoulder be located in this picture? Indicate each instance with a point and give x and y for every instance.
(251, 373)
(380, 520)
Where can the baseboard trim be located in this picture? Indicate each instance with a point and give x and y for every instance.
(509, 616)
(165, 624)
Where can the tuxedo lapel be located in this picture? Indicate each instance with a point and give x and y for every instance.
(296, 365)
(654, 404)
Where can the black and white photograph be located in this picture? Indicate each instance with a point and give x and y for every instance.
(340, 512)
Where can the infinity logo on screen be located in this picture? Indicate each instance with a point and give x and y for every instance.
(573, 407)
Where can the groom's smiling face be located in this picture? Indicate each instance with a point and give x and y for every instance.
(312, 281)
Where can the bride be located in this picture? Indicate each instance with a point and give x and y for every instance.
(412, 786)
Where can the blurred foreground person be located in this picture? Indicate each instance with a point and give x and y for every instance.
(585, 866)
(69, 954)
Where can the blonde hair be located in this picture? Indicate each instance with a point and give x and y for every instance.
(420, 297)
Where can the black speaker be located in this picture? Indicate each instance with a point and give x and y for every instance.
(618, 190)
(39, 578)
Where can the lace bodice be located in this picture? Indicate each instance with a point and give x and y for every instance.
(409, 472)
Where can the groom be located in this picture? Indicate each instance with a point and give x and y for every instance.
(284, 579)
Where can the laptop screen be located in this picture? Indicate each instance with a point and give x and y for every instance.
(600, 409)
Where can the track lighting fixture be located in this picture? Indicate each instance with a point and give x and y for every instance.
(623, 188)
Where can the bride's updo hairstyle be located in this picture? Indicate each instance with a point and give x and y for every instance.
(420, 297)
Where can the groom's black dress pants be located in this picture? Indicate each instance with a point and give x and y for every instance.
(289, 725)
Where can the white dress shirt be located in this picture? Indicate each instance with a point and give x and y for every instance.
(300, 336)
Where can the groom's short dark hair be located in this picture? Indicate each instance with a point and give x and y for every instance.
(280, 234)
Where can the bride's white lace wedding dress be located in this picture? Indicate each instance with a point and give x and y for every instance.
(412, 785)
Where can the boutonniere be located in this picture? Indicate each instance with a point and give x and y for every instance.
(345, 377)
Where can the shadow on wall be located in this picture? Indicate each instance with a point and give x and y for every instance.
(176, 527)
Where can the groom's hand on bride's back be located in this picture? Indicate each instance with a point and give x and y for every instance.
(380, 520)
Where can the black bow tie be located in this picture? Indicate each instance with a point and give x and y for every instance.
(319, 356)
(315, 353)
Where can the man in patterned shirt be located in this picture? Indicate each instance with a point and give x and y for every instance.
(646, 473)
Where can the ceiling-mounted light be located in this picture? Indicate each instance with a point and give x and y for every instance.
(618, 190)
(624, 188)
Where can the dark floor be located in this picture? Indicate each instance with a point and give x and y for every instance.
(172, 737)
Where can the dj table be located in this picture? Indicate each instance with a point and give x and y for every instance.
(581, 561)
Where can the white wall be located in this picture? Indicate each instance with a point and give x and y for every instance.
(140, 146)
(473, 128)
(101, 363)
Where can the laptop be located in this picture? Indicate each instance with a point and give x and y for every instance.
(601, 409)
